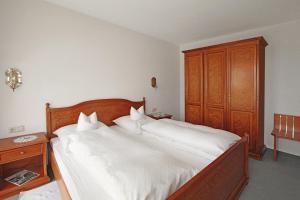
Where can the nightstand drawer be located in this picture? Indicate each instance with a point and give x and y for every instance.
(20, 153)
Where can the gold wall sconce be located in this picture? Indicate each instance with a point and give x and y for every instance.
(13, 78)
(153, 82)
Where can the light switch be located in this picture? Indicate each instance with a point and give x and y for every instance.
(17, 129)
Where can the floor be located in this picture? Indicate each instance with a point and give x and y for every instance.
(271, 180)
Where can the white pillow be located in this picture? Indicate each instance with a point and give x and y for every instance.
(68, 128)
(141, 110)
(137, 114)
(132, 125)
(93, 118)
(87, 122)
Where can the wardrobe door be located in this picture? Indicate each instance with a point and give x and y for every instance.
(194, 87)
(215, 88)
(242, 89)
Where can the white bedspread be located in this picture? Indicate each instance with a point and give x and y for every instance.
(80, 185)
(114, 164)
(128, 168)
(212, 141)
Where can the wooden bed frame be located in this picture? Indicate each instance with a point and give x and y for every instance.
(224, 178)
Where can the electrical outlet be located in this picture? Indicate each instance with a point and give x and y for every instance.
(17, 129)
(154, 110)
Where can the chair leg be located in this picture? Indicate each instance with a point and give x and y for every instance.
(275, 148)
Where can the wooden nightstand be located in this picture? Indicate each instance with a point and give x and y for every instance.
(159, 116)
(15, 157)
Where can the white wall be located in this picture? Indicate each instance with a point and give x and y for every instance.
(282, 80)
(67, 57)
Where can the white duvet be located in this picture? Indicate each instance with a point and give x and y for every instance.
(131, 169)
(127, 169)
(212, 141)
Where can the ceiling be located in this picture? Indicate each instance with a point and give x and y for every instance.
(181, 21)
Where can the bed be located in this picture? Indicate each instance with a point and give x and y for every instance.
(223, 178)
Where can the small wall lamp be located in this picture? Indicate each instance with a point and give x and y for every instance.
(13, 78)
(153, 82)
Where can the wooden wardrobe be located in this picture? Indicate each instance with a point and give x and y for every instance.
(224, 89)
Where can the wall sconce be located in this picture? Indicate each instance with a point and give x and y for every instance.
(13, 78)
(153, 82)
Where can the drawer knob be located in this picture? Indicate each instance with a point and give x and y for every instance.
(22, 152)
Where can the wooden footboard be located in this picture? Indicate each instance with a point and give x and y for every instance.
(223, 179)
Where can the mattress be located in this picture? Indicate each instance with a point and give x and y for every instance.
(82, 185)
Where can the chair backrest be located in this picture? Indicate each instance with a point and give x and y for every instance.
(287, 126)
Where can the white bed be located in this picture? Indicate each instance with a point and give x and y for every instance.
(162, 162)
(84, 184)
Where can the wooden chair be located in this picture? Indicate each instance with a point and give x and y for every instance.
(286, 127)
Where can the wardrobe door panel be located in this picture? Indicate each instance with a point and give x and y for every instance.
(215, 118)
(193, 114)
(242, 88)
(194, 78)
(215, 88)
(215, 76)
(194, 87)
(243, 78)
(242, 123)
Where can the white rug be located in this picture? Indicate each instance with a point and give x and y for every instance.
(49, 191)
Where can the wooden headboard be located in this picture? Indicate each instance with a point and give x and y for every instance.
(107, 110)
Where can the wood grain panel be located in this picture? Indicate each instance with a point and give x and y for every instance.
(242, 77)
(20, 153)
(215, 117)
(215, 88)
(215, 78)
(242, 124)
(193, 114)
(194, 80)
